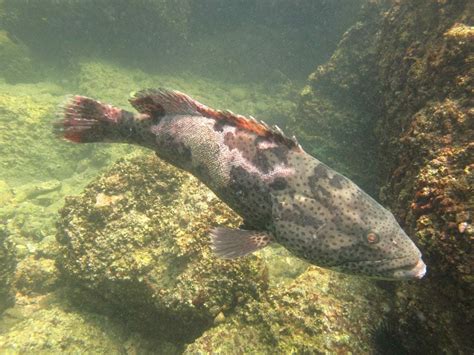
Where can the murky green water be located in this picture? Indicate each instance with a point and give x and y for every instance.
(119, 270)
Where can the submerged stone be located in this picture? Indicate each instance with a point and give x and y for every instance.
(403, 76)
(51, 325)
(319, 312)
(138, 236)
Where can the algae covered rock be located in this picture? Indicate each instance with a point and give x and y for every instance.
(57, 331)
(137, 236)
(320, 312)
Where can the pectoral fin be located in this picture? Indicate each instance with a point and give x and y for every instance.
(230, 243)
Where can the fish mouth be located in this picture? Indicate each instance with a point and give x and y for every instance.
(416, 272)
(401, 268)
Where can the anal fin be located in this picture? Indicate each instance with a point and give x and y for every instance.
(230, 243)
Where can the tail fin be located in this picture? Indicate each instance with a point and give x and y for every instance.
(85, 120)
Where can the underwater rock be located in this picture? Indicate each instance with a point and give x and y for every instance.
(36, 275)
(404, 77)
(50, 324)
(314, 314)
(57, 331)
(7, 270)
(426, 131)
(138, 237)
(338, 108)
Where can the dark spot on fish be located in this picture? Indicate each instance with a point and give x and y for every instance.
(279, 184)
(219, 125)
(249, 192)
(320, 171)
(336, 181)
(281, 152)
(297, 216)
(229, 140)
(261, 162)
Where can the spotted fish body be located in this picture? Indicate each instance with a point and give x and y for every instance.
(283, 194)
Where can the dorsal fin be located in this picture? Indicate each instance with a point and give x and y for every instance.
(159, 102)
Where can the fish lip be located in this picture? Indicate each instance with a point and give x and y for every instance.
(418, 271)
(410, 271)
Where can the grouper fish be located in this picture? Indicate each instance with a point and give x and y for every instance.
(283, 194)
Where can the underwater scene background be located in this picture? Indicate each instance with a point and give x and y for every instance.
(105, 249)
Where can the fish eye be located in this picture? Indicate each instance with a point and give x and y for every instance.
(372, 238)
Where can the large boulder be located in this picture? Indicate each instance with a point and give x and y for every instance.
(138, 237)
(403, 78)
(425, 64)
(52, 324)
(338, 106)
(320, 312)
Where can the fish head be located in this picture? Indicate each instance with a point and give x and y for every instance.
(374, 246)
